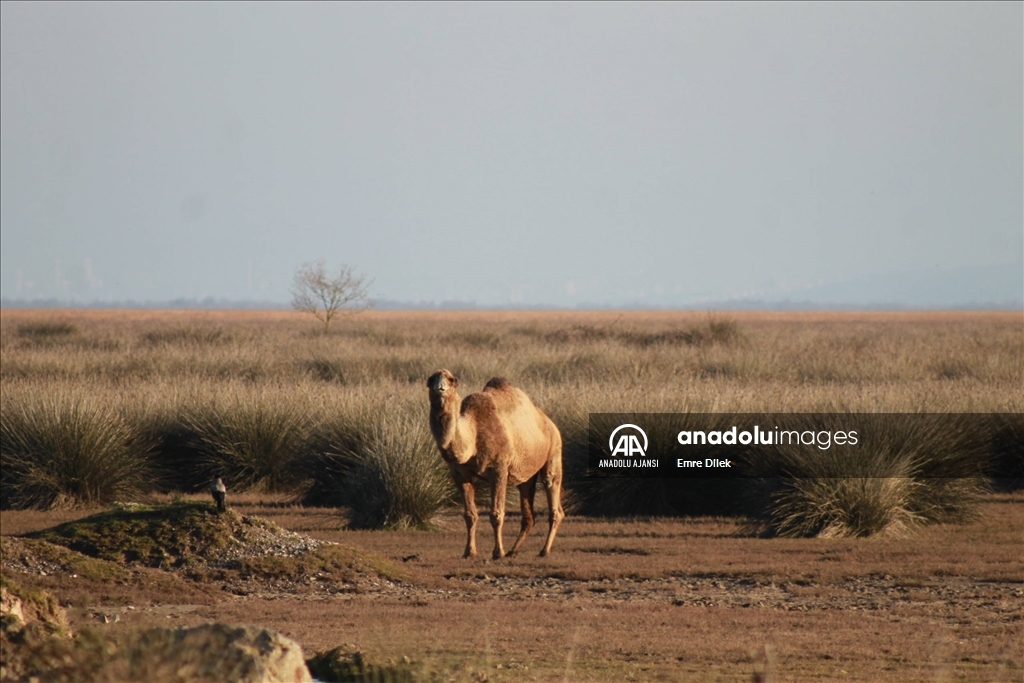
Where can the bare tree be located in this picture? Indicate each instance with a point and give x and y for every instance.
(316, 292)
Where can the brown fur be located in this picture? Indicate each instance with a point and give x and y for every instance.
(499, 436)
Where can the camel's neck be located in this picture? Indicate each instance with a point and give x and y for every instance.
(449, 431)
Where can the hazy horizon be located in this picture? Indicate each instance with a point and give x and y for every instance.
(554, 155)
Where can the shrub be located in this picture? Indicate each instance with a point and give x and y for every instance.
(394, 476)
(906, 472)
(178, 460)
(714, 331)
(46, 330)
(192, 335)
(252, 443)
(477, 339)
(67, 451)
(327, 463)
(325, 369)
(842, 506)
(575, 366)
(574, 334)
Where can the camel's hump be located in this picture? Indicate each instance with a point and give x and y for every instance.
(497, 383)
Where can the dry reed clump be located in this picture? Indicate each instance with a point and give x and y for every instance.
(574, 366)
(845, 507)
(67, 450)
(905, 473)
(714, 330)
(57, 335)
(363, 370)
(475, 339)
(391, 475)
(249, 441)
(325, 370)
(188, 335)
(39, 330)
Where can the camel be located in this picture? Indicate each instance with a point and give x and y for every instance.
(500, 437)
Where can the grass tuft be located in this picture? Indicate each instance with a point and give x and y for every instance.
(714, 331)
(64, 451)
(952, 369)
(903, 475)
(46, 330)
(189, 335)
(252, 443)
(395, 479)
(325, 370)
(846, 507)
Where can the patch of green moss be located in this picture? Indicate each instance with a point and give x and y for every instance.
(163, 537)
(68, 560)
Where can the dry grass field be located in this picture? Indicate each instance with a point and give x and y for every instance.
(622, 598)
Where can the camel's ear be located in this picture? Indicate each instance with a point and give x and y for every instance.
(455, 382)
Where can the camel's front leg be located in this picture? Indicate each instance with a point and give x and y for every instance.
(498, 486)
(469, 499)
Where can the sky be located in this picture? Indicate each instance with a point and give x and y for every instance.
(668, 154)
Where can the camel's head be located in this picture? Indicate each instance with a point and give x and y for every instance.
(442, 382)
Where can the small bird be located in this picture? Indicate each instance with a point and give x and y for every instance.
(220, 494)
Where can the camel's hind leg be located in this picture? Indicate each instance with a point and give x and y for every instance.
(552, 475)
(527, 491)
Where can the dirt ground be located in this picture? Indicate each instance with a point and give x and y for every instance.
(626, 599)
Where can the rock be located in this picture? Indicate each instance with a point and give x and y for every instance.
(21, 608)
(29, 620)
(10, 607)
(347, 663)
(213, 652)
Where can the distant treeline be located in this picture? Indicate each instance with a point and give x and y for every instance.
(212, 303)
(206, 303)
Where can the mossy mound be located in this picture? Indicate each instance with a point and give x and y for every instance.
(204, 545)
(33, 556)
(174, 536)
